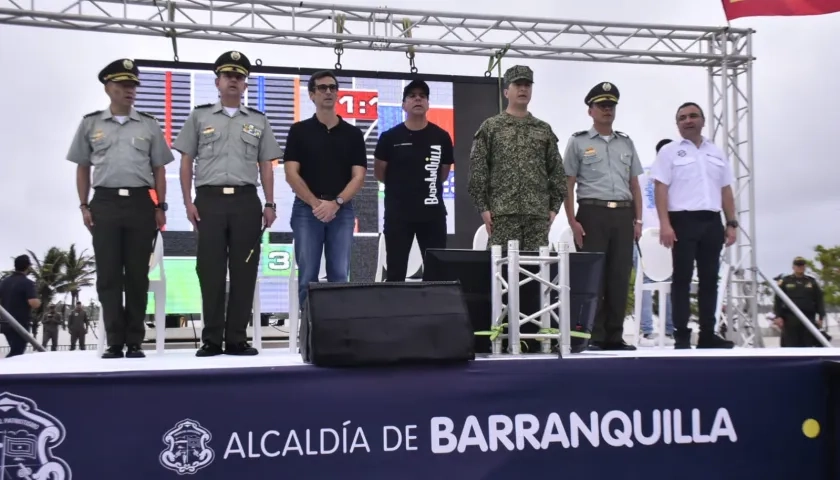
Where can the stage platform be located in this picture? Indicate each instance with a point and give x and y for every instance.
(650, 414)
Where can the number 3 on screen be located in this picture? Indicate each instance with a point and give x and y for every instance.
(279, 261)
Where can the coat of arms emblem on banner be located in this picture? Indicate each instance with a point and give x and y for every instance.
(186, 449)
(27, 438)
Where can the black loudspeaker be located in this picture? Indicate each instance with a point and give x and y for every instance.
(358, 324)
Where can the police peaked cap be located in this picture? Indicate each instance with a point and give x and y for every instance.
(603, 92)
(122, 70)
(233, 61)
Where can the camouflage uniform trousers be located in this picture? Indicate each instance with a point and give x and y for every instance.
(530, 230)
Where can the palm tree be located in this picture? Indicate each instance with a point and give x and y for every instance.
(79, 269)
(47, 273)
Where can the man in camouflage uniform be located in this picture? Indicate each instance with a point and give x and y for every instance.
(517, 180)
(52, 320)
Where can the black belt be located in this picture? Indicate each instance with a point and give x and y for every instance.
(328, 198)
(606, 203)
(226, 190)
(123, 191)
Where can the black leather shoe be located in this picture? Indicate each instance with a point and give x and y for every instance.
(242, 348)
(713, 341)
(209, 350)
(618, 346)
(134, 351)
(114, 351)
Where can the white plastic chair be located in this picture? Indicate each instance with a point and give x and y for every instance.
(294, 300)
(560, 232)
(480, 238)
(158, 289)
(415, 260)
(656, 263)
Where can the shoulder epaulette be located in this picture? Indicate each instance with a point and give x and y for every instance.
(206, 105)
(582, 132)
(149, 115)
(92, 114)
(622, 134)
(254, 109)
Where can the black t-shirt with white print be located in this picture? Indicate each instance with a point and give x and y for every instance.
(413, 184)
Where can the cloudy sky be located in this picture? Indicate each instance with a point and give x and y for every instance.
(50, 82)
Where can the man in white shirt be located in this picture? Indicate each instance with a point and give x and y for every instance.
(651, 220)
(693, 184)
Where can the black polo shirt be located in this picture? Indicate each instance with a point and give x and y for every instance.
(413, 185)
(326, 155)
(15, 293)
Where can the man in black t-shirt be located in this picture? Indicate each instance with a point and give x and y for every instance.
(18, 297)
(412, 160)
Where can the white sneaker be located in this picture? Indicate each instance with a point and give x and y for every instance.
(647, 340)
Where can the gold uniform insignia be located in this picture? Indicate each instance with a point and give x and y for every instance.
(589, 152)
(252, 130)
(128, 64)
(208, 131)
(97, 136)
(235, 56)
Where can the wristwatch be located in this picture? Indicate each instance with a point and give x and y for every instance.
(732, 223)
(339, 201)
(270, 205)
(162, 206)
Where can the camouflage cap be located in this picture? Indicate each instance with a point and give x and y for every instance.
(519, 72)
(799, 261)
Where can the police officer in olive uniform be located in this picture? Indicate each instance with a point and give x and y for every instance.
(804, 291)
(229, 143)
(517, 181)
(128, 153)
(605, 166)
(52, 320)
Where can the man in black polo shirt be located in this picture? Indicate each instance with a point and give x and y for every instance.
(18, 297)
(412, 160)
(325, 163)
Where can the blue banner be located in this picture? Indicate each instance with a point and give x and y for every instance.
(686, 418)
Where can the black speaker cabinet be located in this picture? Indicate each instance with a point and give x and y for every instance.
(360, 324)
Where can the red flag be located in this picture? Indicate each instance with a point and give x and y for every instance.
(778, 8)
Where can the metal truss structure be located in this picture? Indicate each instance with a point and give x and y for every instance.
(725, 52)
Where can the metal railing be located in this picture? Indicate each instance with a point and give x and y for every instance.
(549, 311)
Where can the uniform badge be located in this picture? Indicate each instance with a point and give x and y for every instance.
(97, 136)
(128, 64)
(208, 131)
(809, 285)
(589, 152)
(607, 87)
(252, 130)
(235, 56)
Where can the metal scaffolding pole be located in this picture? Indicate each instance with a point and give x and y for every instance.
(730, 126)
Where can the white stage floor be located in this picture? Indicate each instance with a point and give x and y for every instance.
(75, 362)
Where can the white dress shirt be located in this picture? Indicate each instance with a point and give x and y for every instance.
(695, 176)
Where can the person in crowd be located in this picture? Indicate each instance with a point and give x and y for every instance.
(52, 321)
(604, 165)
(18, 297)
(517, 181)
(693, 185)
(413, 160)
(805, 292)
(128, 153)
(78, 324)
(325, 164)
(650, 219)
(230, 144)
